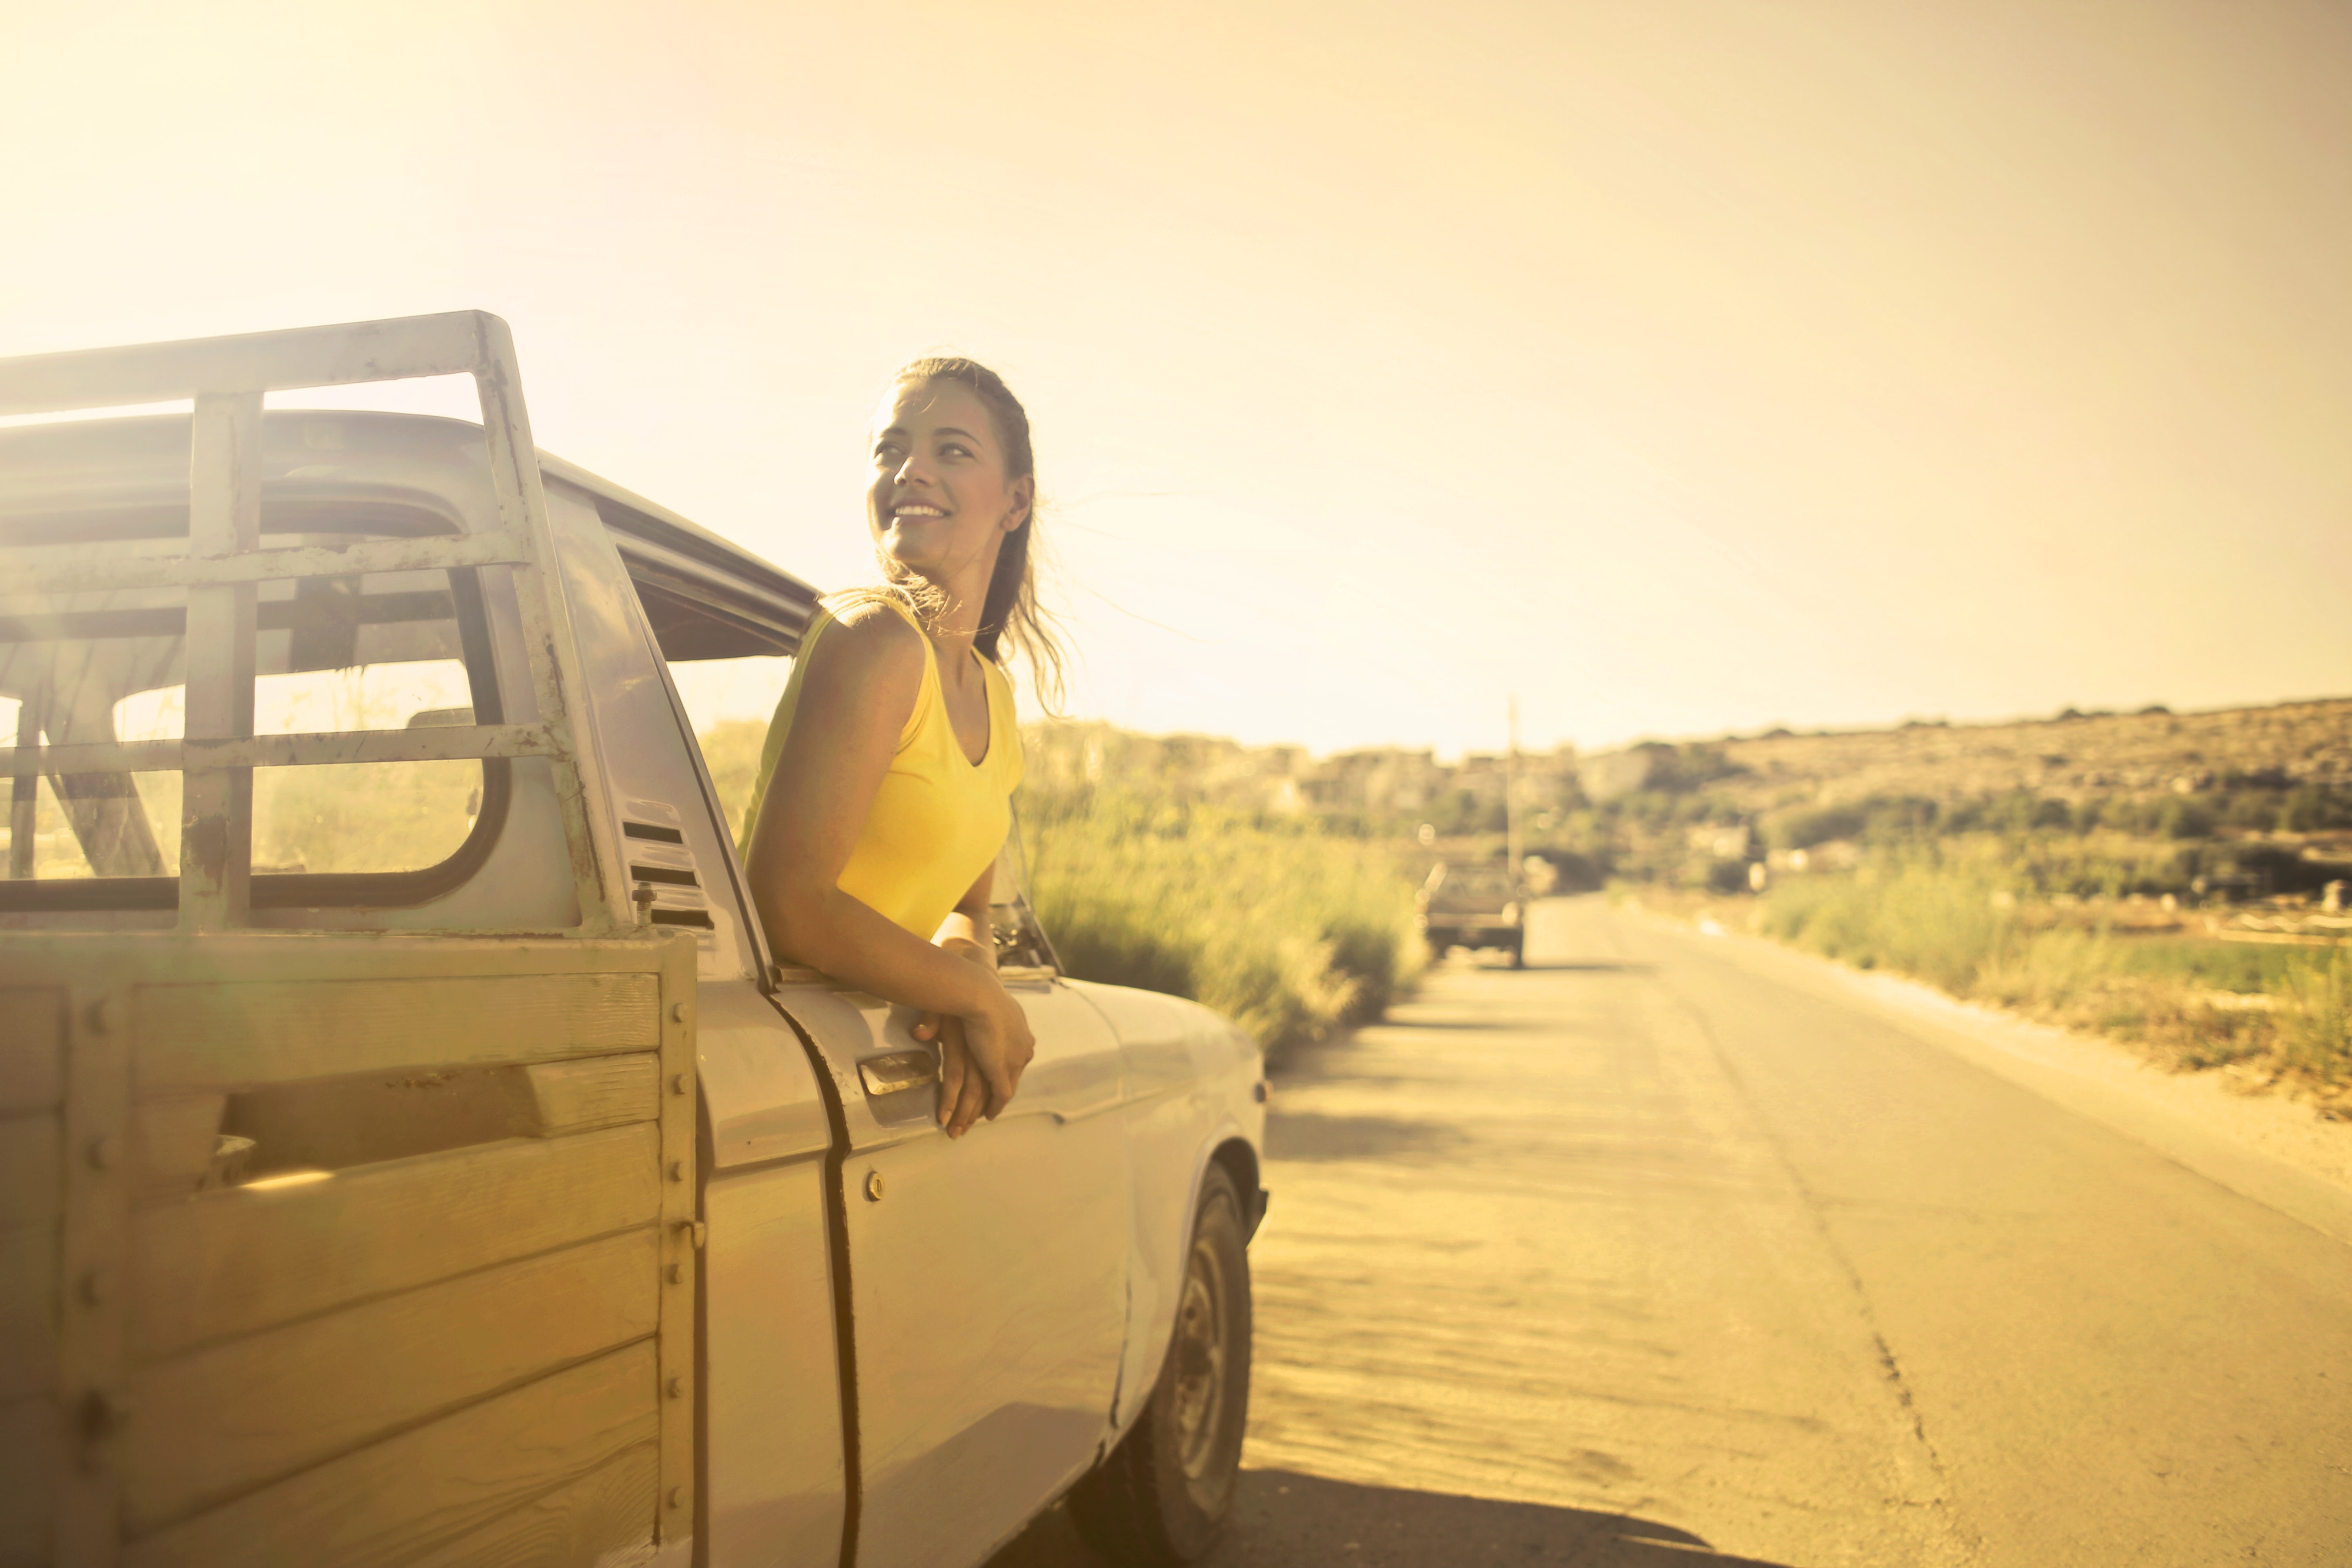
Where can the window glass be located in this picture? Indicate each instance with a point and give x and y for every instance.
(379, 652)
(729, 702)
(38, 840)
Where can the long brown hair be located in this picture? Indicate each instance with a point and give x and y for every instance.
(1010, 612)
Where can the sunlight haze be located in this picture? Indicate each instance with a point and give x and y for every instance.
(1679, 368)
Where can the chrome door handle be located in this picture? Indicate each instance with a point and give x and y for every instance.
(899, 1070)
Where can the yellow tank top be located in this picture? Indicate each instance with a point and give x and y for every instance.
(940, 818)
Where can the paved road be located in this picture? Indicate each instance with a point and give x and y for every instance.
(1651, 1254)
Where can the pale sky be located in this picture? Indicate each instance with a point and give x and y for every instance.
(1678, 365)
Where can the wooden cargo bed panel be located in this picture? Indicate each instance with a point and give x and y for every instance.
(31, 1169)
(270, 1403)
(232, 1262)
(425, 1488)
(31, 1439)
(599, 1091)
(454, 1338)
(276, 1032)
(32, 1046)
(28, 1310)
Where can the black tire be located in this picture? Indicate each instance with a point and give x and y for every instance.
(1162, 1495)
(1520, 951)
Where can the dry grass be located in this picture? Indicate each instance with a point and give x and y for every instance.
(1968, 918)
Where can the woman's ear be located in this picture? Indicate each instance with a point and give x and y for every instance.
(1025, 495)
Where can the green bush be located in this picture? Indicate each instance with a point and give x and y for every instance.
(1290, 933)
(1980, 919)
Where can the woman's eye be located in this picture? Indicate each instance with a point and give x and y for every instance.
(952, 450)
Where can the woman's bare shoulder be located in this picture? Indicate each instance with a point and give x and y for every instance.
(869, 650)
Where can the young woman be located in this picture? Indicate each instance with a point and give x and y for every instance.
(884, 786)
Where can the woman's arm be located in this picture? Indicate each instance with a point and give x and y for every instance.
(967, 933)
(863, 679)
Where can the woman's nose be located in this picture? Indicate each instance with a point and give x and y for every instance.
(911, 470)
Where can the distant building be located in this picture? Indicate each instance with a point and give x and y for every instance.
(1616, 773)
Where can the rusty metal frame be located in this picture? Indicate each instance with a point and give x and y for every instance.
(224, 562)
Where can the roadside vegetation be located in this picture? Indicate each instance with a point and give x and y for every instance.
(1290, 931)
(2189, 916)
(1961, 916)
(1288, 928)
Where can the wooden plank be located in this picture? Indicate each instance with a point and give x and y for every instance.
(308, 748)
(31, 1170)
(32, 1046)
(172, 1140)
(607, 1511)
(234, 1261)
(450, 343)
(392, 1501)
(269, 1031)
(270, 1404)
(103, 959)
(216, 804)
(578, 1096)
(28, 1310)
(338, 1122)
(32, 1436)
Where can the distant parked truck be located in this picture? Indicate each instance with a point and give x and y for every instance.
(412, 1151)
(1475, 904)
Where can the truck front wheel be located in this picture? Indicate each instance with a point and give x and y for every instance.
(1164, 1491)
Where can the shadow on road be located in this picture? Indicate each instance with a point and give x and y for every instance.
(1282, 1520)
(1305, 1135)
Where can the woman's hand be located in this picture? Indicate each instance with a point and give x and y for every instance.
(982, 1054)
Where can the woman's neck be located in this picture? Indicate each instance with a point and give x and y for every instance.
(955, 631)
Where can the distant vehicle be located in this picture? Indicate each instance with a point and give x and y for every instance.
(1475, 904)
(414, 1152)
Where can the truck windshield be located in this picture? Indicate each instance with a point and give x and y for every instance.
(368, 651)
(1472, 881)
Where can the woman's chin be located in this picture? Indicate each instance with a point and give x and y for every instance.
(917, 563)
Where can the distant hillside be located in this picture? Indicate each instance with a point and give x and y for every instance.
(2074, 759)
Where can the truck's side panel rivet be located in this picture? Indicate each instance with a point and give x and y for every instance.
(678, 1084)
(873, 1187)
(104, 1150)
(676, 1387)
(677, 1170)
(678, 1012)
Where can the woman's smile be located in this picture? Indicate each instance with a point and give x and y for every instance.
(941, 499)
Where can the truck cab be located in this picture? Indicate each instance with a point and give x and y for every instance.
(416, 1153)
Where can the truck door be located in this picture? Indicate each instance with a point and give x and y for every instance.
(988, 1274)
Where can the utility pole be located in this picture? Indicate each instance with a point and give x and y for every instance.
(1513, 847)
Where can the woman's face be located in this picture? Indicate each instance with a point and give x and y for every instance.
(940, 502)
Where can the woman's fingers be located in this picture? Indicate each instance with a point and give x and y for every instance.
(926, 1026)
(954, 1068)
(963, 1090)
(969, 1106)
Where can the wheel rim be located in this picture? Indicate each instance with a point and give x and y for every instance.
(1201, 1351)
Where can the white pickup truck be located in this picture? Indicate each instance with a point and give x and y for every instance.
(410, 1151)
